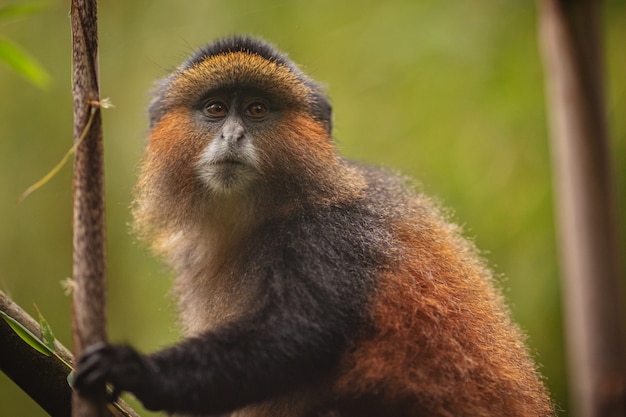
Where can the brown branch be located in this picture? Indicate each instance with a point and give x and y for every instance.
(89, 236)
(43, 378)
(586, 206)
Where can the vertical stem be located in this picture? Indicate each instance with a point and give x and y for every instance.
(88, 302)
(587, 216)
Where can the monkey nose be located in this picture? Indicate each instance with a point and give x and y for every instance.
(232, 132)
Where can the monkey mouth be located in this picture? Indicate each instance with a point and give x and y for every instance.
(228, 162)
(226, 170)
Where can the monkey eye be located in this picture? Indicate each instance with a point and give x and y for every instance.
(257, 109)
(215, 108)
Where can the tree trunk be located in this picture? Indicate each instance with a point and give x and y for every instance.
(587, 216)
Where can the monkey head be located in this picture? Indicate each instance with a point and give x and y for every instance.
(235, 95)
(237, 121)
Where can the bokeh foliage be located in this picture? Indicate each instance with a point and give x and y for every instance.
(450, 93)
(13, 55)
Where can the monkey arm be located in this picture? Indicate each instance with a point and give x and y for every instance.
(245, 362)
(314, 281)
(272, 352)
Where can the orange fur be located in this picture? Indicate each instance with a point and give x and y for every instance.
(166, 153)
(240, 69)
(442, 343)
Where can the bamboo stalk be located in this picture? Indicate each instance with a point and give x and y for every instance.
(88, 304)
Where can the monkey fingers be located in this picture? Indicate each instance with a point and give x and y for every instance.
(121, 366)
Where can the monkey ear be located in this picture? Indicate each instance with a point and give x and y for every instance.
(157, 107)
(322, 110)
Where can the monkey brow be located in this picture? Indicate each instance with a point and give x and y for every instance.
(245, 44)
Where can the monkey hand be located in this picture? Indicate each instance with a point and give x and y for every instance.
(120, 366)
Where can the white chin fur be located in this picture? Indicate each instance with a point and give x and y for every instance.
(222, 176)
(226, 178)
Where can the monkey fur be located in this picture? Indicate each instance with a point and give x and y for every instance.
(308, 285)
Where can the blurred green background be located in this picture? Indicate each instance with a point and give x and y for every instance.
(450, 93)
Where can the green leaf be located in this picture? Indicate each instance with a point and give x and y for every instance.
(46, 331)
(20, 10)
(26, 335)
(22, 63)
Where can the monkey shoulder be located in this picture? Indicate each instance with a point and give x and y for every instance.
(348, 240)
(335, 243)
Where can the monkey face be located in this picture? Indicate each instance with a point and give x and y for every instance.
(235, 120)
(230, 160)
